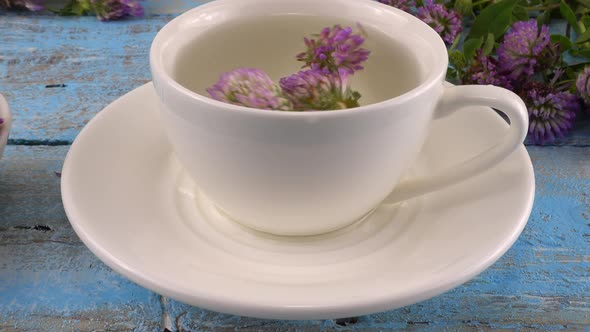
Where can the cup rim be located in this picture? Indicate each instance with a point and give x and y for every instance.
(433, 77)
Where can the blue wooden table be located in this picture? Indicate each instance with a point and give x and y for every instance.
(57, 73)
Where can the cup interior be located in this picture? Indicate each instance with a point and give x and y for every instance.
(198, 46)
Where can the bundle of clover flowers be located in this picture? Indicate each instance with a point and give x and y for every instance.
(105, 10)
(329, 60)
(508, 43)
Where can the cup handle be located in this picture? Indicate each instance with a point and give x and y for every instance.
(454, 98)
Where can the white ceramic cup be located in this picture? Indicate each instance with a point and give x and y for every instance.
(304, 173)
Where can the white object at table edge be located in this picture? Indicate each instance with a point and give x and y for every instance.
(5, 127)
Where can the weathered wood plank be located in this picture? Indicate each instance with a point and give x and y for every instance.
(57, 74)
(58, 286)
(49, 281)
(30, 199)
(48, 278)
(63, 112)
(41, 49)
(97, 62)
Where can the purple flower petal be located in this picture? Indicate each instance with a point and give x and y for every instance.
(108, 10)
(446, 22)
(551, 113)
(523, 48)
(335, 49)
(485, 70)
(405, 5)
(317, 90)
(583, 86)
(249, 87)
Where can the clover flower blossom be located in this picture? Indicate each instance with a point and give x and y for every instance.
(335, 49)
(249, 87)
(317, 90)
(446, 22)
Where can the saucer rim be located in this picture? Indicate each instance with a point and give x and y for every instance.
(210, 299)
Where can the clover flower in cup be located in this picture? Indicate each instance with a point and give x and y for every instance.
(525, 49)
(446, 22)
(551, 113)
(405, 5)
(316, 90)
(250, 87)
(108, 10)
(32, 5)
(335, 49)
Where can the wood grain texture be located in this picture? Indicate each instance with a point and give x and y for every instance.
(49, 281)
(57, 73)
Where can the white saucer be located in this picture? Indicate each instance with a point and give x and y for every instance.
(134, 207)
